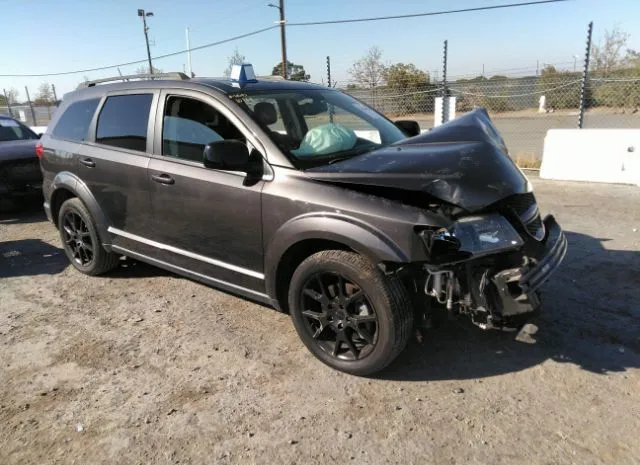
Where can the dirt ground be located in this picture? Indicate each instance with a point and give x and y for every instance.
(144, 367)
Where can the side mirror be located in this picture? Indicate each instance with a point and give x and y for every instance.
(409, 127)
(228, 155)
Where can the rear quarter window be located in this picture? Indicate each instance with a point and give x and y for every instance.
(74, 122)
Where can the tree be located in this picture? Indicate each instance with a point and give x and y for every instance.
(368, 71)
(412, 85)
(142, 69)
(12, 95)
(632, 59)
(236, 59)
(294, 72)
(44, 96)
(608, 52)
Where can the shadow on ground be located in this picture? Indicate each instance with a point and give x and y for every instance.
(30, 257)
(130, 268)
(26, 211)
(590, 317)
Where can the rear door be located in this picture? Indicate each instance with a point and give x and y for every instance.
(113, 163)
(208, 221)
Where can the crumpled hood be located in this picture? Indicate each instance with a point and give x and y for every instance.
(463, 162)
(18, 149)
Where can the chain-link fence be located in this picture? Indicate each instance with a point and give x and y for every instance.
(23, 113)
(523, 109)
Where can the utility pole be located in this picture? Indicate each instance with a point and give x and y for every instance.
(283, 37)
(189, 54)
(144, 15)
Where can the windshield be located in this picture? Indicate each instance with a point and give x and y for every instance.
(12, 130)
(315, 127)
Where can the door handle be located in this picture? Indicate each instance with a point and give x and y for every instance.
(163, 178)
(88, 162)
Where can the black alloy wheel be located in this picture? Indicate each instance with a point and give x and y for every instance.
(348, 313)
(77, 238)
(339, 316)
(81, 241)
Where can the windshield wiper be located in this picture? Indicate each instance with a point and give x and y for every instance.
(351, 154)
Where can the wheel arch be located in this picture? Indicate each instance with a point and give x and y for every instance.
(302, 237)
(67, 185)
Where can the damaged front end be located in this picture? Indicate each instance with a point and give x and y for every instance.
(496, 251)
(490, 266)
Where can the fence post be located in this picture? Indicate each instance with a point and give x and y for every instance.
(6, 98)
(445, 89)
(55, 96)
(329, 84)
(585, 76)
(33, 113)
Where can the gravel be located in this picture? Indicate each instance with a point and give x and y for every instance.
(159, 369)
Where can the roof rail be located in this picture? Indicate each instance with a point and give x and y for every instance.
(180, 76)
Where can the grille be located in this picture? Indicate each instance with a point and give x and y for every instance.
(526, 208)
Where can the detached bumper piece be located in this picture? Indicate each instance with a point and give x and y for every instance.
(554, 252)
(516, 287)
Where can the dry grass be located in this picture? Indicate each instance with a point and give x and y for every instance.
(527, 160)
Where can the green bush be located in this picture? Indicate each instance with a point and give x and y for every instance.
(497, 104)
(619, 89)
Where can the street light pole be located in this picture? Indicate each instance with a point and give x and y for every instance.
(283, 37)
(189, 54)
(144, 15)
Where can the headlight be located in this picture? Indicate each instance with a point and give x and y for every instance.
(485, 234)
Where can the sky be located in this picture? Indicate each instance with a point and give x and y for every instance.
(65, 35)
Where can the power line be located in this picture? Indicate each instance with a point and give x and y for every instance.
(167, 55)
(312, 23)
(432, 13)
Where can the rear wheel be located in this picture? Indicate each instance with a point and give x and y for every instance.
(349, 314)
(80, 239)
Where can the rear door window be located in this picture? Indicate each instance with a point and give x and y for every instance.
(74, 122)
(124, 120)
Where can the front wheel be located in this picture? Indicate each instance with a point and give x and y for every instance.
(348, 313)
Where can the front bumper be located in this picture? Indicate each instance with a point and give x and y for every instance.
(516, 287)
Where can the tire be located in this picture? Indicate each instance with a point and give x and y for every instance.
(80, 240)
(366, 294)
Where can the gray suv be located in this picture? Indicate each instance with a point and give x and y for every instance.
(303, 198)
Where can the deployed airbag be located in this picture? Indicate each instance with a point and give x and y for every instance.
(326, 139)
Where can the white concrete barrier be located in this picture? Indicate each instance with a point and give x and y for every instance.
(596, 155)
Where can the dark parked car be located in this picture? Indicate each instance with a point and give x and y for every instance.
(304, 198)
(20, 173)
